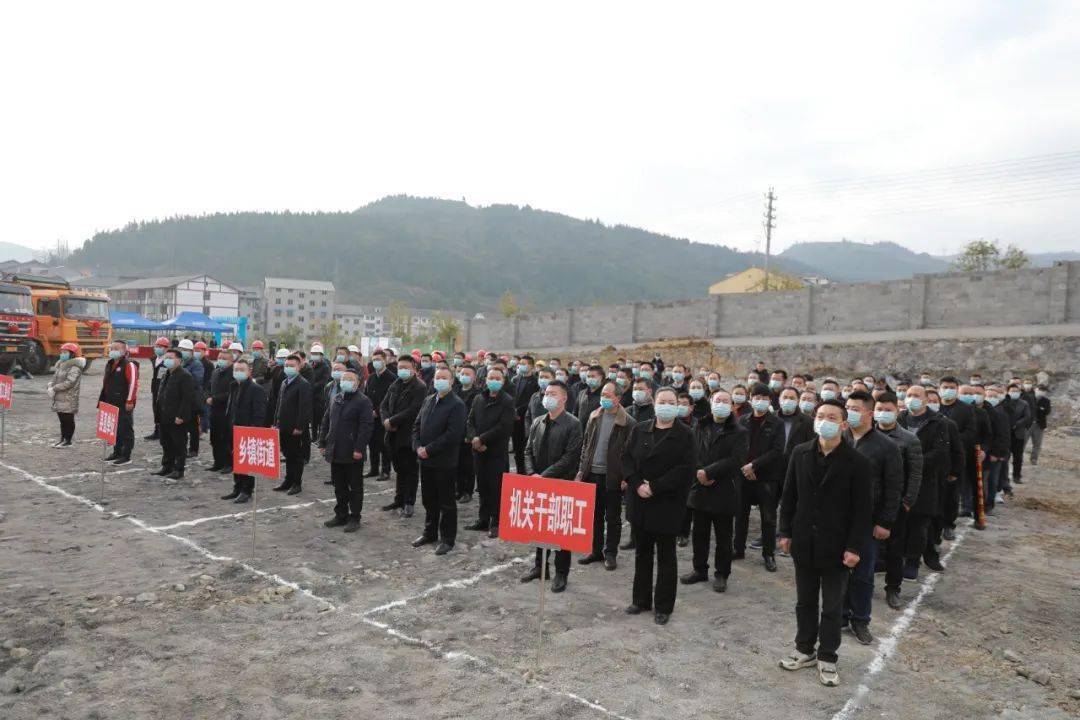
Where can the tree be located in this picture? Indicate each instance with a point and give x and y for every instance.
(982, 256)
(1013, 258)
(508, 305)
(332, 336)
(399, 320)
(445, 330)
(290, 337)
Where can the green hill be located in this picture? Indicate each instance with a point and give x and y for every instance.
(847, 261)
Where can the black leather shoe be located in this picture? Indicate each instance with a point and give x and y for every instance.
(242, 498)
(352, 525)
(610, 563)
(934, 564)
(628, 545)
(590, 559)
(661, 618)
(294, 490)
(719, 584)
(770, 563)
(231, 496)
(533, 574)
(152, 436)
(443, 548)
(948, 534)
(407, 511)
(123, 460)
(373, 473)
(893, 599)
(861, 630)
(635, 610)
(112, 456)
(281, 488)
(391, 506)
(336, 521)
(176, 475)
(478, 525)
(227, 470)
(693, 578)
(422, 541)
(559, 583)
(162, 472)
(214, 468)
(493, 531)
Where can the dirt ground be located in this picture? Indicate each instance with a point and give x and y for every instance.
(151, 606)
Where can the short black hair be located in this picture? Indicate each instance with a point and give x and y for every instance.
(296, 357)
(596, 368)
(377, 353)
(833, 403)
(175, 352)
(949, 379)
(467, 366)
(526, 358)
(760, 389)
(862, 396)
(888, 397)
(407, 358)
(561, 385)
(780, 372)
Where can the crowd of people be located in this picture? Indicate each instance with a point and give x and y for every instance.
(849, 477)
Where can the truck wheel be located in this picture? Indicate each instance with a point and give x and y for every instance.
(35, 361)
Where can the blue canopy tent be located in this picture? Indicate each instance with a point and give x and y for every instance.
(133, 321)
(195, 321)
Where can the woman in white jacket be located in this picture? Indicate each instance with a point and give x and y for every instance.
(64, 390)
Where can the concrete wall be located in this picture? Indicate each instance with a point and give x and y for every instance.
(1032, 296)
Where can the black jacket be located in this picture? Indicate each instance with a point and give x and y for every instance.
(911, 452)
(587, 401)
(346, 427)
(1042, 410)
(620, 431)
(221, 382)
(563, 447)
(439, 428)
(669, 467)
(208, 369)
(400, 407)
(886, 473)
(642, 413)
(825, 519)
(769, 460)
(1020, 418)
(467, 397)
(934, 438)
(320, 375)
(524, 386)
(802, 429)
(963, 415)
(177, 396)
(492, 420)
(376, 387)
(1000, 432)
(535, 408)
(247, 404)
(293, 409)
(721, 452)
(957, 462)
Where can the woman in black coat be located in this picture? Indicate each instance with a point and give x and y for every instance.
(722, 446)
(659, 465)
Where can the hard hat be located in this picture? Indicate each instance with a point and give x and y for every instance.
(416, 354)
(316, 348)
(468, 357)
(353, 348)
(71, 347)
(236, 346)
(282, 353)
(162, 342)
(257, 345)
(200, 345)
(438, 356)
(481, 354)
(186, 344)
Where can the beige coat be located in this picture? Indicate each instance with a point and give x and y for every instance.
(67, 377)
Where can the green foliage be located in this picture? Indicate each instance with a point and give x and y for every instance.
(983, 256)
(290, 337)
(445, 331)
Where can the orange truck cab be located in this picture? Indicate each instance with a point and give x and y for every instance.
(64, 315)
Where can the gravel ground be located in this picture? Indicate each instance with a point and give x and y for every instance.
(143, 608)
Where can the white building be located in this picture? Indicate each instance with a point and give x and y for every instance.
(305, 304)
(162, 298)
(359, 321)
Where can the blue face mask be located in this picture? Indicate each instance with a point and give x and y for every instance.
(339, 358)
(593, 383)
(424, 365)
(775, 384)
(404, 373)
(240, 375)
(169, 363)
(966, 399)
(221, 363)
(827, 428)
(807, 406)
(336, 374)
(543, 382)
(291, 371)
(677, 376)
(914, 404)
(378, 365)
(348, 386)
(993, 401)
(65, 356)
(256, 354)
(198, 355)
(760, 405)
(465, 379)
(828, 394)
(854, 418)
(683, 411)
(901, 395)
(738, 398)
(159, 351)
(442, 385)
(948, 393)
(666, 413)
(884, 417)
(607, 403)
(646, 374)
(721, 410)
(550, 403)
(787, 406)
(494, 385)
(611, 376)
(621, 382)
(458, 362)
(640, 396)
(714, 384)
(280, 362)
(696, 394)
(115, 354)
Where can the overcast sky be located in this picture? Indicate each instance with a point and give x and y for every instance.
(924, 123)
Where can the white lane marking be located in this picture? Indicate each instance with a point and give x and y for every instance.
(247, 513)
(887, 646)
(91, 473)
(439, 587)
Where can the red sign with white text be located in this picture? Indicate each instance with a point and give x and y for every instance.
(108, 417)
(545, 511)
(256, 451)
(7, 387)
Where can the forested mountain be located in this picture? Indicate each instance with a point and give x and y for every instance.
(847, 261)
(428, 252)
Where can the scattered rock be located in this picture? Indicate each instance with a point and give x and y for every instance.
(179, 587)
(1041, 676)
(1011, 656)
(8, 644)
(1023, 671)
(284, 590)
(1075, 693)
(1005, 630)
(206, 579)
(17, 653)
(146, 597)
(11, 685)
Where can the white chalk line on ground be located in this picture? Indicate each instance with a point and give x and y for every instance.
(887, 645)
(439, 587)
(326, 604)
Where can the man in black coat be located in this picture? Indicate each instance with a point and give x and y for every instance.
(466, 389)
(221, 381)
(998, 451)
(320, 376)
(246, 407)
(120, 387)
(963, 416)
(553, 451)
(722, 446)
(398, 413)
(524, 386)
(1020, 418)
(177, 407)
(344, 434)
(157, 370)
(826, 516)
(1042, 409)
(798, 427)
(957, 468)
(378, 384)
(588, 398)
(292, 418)
(438, 434)
(933, 432)
(762, 474)
(490, 425)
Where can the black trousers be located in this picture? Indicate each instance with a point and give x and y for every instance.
(490, 466)
(292, 447)
(348, 480)
(1016, 449)
(762, 494)
(562, 560)
(67, 425)
(950, 502)
(173, 446)
(667, 568)
(156, 409)
(221, 439)
(125, 433)
(519, 445)
(192, 428)
(829, 585)
(405, 468)
(377, 452)
(705, 525)
(244, 484)
(607, 517)
(687, 523)
(438, 490)
(466, 471)
(918, 536)
(895, 551)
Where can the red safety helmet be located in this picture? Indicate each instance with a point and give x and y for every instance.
(438, 356)
(481, 354)
(162, 342)
(468, 357)
(257, 345)
(71, 348)
(416, 355)
(200, 345)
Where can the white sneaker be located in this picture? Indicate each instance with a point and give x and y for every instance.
(999, 498)
(827, 674)
(797, 661)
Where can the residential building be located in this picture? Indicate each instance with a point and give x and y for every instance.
(162, 298)
(289, 302)
(251, 308)
(357, 321)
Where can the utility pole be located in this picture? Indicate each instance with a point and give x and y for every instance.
(770, 223)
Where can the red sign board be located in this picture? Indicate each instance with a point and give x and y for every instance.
(108, 417)
(7, 385)
(545, 511)
(256, 451)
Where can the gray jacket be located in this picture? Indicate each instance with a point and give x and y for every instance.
(888, 473)
(67, 377)
(911, 451)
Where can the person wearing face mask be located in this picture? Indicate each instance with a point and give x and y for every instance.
(522, 388)
(157, 369)
(438, 434)
(678, 378)
(799, 383)
(194, 368)
(377, 385)
(341, 355)
(398, 413)
(489, 427)
(601, 464)
(956, 470)
(329, 391)
(762, 474)
(120, 387)
(221, 441)
(659, 467)
(972, 396)
(886, 479)
(467, 390)
(886, 413)
(177, 406)
(712, 383)
(808, 401)
(426, 370)
(259, 367)
(962, 414)
(933, 433)
(624, 384)
(64, 390)
(544, 376)
(830, 390)
(589, 396)
(344, 435)
(998, 449)
(320, 376)
(1020, 421)
(246, 407)
(826, 517)
(292, 418)
(553, 451)
(798, 428)
(700, 408)
(1041, 412)
(722, 444)
(777, 381)
(647, 372)
(642, 395)
(202, 355)
(739, 405)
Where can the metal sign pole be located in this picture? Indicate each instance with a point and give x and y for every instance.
(254, 505)
(544, 550)
(3, 429)
(104, 452)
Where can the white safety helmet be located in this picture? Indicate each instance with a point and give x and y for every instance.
(316, 348)
(353, 348)
(186, 344)
(282, 353)
(237, 347)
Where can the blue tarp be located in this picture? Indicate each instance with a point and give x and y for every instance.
(194, 321)
(133, 321)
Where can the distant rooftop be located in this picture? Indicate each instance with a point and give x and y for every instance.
(300, 284)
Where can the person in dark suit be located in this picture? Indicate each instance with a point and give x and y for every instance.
(490, 425)
(659, 467)
(344, 435)
(933, 432)
(377, 385)
(826, 516)
(177, 407)
(438, 434)
(762, 474)
(722, 445)
(292, 418)
(467, 389)
(398, 413)
(245, 407)
(523, 387)
(157, 370)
